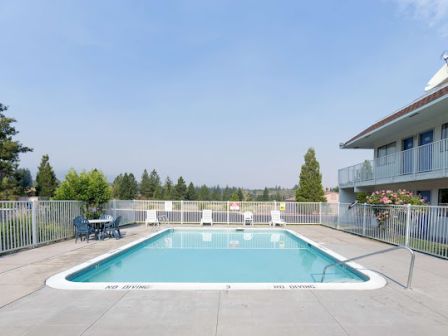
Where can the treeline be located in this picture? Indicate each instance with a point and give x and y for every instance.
(150, 187)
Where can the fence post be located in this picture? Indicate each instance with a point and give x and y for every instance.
(320, 213)
(114, 205)
(34, 205)
(181, 212)
(275, 205)
(364, 219)
(339, 216)
(228, 214)
(408, 225)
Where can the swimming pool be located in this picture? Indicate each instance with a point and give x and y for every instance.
(192, 258)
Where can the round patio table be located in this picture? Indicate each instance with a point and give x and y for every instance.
(98, 225)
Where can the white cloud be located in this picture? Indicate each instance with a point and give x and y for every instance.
(432, 12)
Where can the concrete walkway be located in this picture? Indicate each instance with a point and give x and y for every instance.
(28, 307)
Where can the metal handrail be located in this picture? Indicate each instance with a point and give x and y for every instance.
(411, 265)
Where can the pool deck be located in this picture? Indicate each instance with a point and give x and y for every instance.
(28, 307)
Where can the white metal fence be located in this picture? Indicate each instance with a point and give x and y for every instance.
(422, 228)
(27, 224)
(190, 212)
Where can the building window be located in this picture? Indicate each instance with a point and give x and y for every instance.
(444, 131)
(443, 196)
(384, 154)
(426, 195)
(444, 138)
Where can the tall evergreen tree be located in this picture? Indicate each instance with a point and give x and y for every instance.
(191, 193)
(46, 182)
(155, 189)
(132, 186)
(265, 197)
(145, 186)
(24, 181)
(125, 187)
(116, 186)
(240, 194)
(216, 193)
(227, 192)
(168, 189)
(10, 150)
(310, 182)
(204, 193)
(180, 189)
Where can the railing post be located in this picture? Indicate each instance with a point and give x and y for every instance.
(320, 213)
(181, 212)
(364, 219)
(339, 216)
(228, 213)
(275, 205)
(408, 226)
(34, 205)
(114, 205)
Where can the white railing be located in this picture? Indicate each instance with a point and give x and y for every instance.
(190, 212)
(29, 224)
(409, 164)
(421, 228)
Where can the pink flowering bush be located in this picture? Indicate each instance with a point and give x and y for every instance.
(389, 197)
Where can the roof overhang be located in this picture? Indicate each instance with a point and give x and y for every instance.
(418, 112)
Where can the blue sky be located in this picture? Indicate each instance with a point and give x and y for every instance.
(221, 92)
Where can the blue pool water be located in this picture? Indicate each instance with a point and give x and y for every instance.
(219, 256)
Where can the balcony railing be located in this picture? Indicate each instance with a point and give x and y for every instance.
(427, 161)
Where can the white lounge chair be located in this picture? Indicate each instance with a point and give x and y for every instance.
(207, 217)
(248, 218)
(276, 219)
(151, 218)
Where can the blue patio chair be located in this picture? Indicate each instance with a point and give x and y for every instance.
(113, 229)
(82, 228)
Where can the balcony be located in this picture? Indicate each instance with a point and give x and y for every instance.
(420, 163)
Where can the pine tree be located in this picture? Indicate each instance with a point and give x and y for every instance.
(310, 182)
(265, 197)
(226, 194)
(180, 189)
(204, 193)
(191, 193)
(146, 191)
(24, 181)
(155, 189)
(131, 187)
(125, 187)
(117, 187)
(9, 155)
(46, 182)
(240, 194)
(168, 189)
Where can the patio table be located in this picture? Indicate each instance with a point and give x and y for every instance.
(98, 225)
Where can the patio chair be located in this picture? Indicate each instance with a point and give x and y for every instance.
(151, 218)
(207, 217)
(113, 229)
(82, 228)
(276, 219)
(248, 218)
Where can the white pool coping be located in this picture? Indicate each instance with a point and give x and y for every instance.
(59, 281)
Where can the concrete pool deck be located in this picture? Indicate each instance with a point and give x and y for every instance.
(28, 307)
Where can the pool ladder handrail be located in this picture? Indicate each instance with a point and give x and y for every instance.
(411, 265)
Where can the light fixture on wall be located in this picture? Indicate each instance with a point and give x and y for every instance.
(444, 56)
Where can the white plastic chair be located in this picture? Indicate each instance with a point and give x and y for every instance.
(276, 219)
(248, 218)
(151, 218)
(207, 217)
